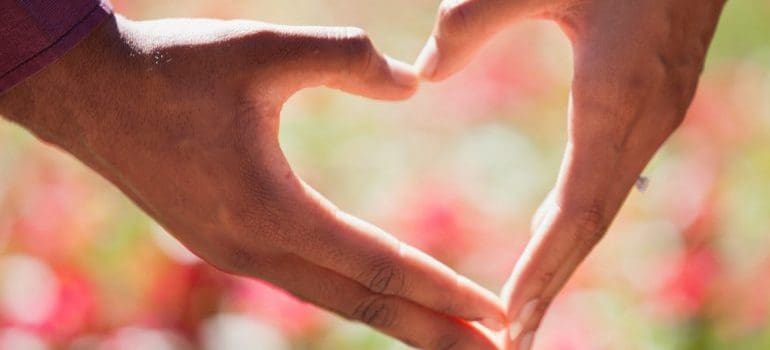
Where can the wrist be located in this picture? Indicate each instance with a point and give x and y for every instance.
(56, 103)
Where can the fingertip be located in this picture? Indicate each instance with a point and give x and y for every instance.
(524, 315)
(514, 330)
(520, 341)
(524, 321)
(493, 315)
(403, 74)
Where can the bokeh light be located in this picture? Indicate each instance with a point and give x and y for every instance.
(457, 171)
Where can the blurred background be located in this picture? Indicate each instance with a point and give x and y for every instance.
(457, 171)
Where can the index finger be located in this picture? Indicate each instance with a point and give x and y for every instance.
(568, 227)
(386, 265)
(383, 264)
(409, 322)
(595, 179)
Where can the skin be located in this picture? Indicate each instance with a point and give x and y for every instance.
(636, 68)
(183, 117)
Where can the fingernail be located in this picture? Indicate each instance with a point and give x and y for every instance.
(492, 323)
(524, 315)
(526, 341)
(402, 73)
(427, 61)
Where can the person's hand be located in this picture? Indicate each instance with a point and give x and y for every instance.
(183, 116)
(636, 67)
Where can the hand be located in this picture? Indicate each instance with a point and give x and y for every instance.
(183, 116)
(636, 68)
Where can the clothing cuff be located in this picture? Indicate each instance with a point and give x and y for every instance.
(58, 47)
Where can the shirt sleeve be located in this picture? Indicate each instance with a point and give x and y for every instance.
(34, 33)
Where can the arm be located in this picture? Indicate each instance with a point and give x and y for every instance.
(636, 68)
(183, 116)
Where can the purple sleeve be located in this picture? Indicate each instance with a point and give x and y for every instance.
(34, 33)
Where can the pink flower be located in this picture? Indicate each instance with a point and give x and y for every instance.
(445, 223)
(439, 221)
(715, 121)
(63, 304)
(689, 282)
(183, 296)
(77, 310)
(275, 306)
(51, 221)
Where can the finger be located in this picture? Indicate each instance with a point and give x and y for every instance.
(549, 260)
(562, 240)
(345, 58)
(384, 265)
(409, 322)
(463, 27)
(324, 235)
(595, 178)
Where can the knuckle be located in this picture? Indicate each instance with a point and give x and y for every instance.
(327, 289)
(356, 41)
(240, 257)
(376, 311)
(235, 261)
(266, 46)
(542, 307)
(384, 277)
(546, 277)
(642, 80)
(590, 224)
(446, 341)
(453, 17)
(359, 49)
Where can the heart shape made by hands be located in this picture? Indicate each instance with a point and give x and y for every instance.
(219, 182)
(632, 84)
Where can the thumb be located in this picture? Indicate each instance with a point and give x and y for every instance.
(345, 58)
(463, 27)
